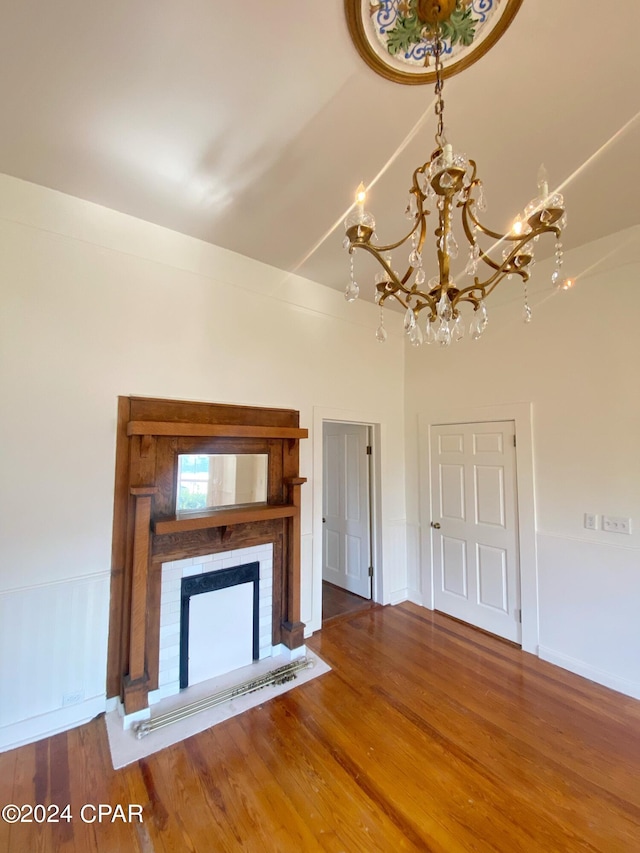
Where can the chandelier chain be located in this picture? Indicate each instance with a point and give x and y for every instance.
(439, 107)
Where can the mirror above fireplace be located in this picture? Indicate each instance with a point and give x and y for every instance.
(213, 480)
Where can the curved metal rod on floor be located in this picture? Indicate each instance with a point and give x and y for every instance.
(274, 677)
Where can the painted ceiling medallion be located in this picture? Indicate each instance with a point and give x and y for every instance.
(395, 37)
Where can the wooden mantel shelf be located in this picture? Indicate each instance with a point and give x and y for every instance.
(221, 518)
(213, 430)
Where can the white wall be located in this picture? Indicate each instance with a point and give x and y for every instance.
(96, 304)
(577, 364)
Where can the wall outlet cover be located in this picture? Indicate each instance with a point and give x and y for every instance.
(616, 524)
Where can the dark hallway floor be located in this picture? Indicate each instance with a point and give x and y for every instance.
(337, 602)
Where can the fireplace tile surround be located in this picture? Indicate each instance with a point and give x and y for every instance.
(172, 574)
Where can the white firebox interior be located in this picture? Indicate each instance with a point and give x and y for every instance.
(220, 631)
(236, 611)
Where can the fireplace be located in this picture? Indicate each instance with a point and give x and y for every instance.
(219, 628)
(155, 540)
(180, 578)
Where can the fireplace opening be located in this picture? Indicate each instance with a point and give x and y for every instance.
(219, 622)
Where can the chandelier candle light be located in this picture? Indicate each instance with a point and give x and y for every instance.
(447, 181)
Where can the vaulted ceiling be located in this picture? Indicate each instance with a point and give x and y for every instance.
(249, 124)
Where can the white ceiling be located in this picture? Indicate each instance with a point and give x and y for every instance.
(250, 124)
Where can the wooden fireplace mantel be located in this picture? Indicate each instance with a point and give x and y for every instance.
(221, 518)
(211, 430)
(147, 531)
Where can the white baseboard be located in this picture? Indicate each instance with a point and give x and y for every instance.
(45, 725)
(622, 685)
(399, 596)
(289, 654)
(112, 704)
(163, 692)
(415, 597)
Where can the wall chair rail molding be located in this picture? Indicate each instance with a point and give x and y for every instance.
(150, 528)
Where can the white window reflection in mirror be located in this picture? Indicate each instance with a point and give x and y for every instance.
(215, 480)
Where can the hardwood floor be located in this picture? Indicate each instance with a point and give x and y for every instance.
(337, 602)
(426, 736)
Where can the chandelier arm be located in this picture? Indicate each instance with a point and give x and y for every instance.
(487, 287)
(377, 251)
(419, 223)
(472, 180)
(422, 222)
(421, 219)
(393, 294)
(467, 295)
(402, 240)
(467, 214)
(523, 238)
(427, 301)
(410, 292)
(501, 270)
(506, 267)
(430, 305)
(398, 285)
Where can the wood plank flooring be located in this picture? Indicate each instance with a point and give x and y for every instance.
(337, 602)
(426, 736)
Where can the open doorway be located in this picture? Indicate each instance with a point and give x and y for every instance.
(347, 529)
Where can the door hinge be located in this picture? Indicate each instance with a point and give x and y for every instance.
(518, 615)
(369, 450)
(370, 571)
(514, 441)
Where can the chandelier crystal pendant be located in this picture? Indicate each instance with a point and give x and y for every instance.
(448, 182)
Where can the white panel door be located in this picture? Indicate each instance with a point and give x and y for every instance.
(345, 560)
(474, 525)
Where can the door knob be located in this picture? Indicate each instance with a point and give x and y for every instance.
(435, 525)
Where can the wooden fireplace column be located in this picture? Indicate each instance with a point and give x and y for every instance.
(147, 531)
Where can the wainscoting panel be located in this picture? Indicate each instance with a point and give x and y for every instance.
(414, 568)
(53, 645)
(306, 580)
(589, 594)
(395, 556)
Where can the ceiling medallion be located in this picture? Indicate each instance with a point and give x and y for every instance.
(395, 37)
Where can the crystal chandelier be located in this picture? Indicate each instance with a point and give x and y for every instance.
(448, 181)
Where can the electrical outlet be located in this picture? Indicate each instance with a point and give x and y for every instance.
(590, 521)
(72, 698)
(613, 524)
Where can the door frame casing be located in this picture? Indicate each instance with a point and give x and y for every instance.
(373, 420)
(522, 416)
